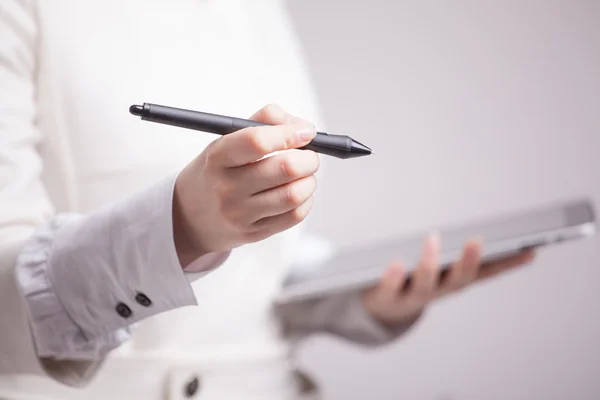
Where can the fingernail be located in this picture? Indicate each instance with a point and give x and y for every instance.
(305, 134)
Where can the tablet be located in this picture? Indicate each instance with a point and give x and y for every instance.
(356, 268)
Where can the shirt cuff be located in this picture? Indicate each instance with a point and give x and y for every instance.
(342, 315)
(88, 279)
(362, 327)
(55, 334)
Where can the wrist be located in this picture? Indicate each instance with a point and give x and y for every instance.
(187, 250)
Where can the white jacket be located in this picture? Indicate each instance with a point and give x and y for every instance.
(85, 204)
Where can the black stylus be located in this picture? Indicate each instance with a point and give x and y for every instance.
(339, 146)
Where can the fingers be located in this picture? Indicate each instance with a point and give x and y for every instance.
(271, 114)
(282, 199)
(282, 132)
(275, 171)
(424, 277)
(382, 301)
(495, 268)
(270, 225)
(251, 144)
(392, 282)
(464, 270)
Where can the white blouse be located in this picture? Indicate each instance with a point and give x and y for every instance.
(86, 193)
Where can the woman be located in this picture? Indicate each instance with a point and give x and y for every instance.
(109, 225)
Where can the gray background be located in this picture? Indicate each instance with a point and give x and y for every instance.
(473, 108)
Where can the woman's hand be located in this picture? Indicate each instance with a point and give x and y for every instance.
(393, 301)
(230, 195)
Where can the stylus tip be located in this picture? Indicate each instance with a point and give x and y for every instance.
(136, 110)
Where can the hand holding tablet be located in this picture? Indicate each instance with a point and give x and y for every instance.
(505, 241)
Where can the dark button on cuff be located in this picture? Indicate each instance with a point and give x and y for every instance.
(191, 388)
(143, 300)
(123, 310)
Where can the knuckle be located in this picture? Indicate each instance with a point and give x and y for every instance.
(270, 109)
(298, 214)
(273, 112)
(288, 168)
(293, 195)
(257, 141)
(298, 163)
(224, 192)
(290, 140)
(210, 154)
